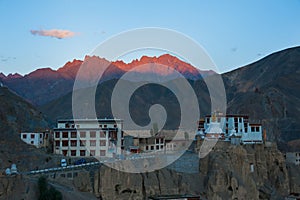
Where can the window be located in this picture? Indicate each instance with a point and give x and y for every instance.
(92, 152)
(161, 146)
(73, 152)
(115, 125)
(207, 120)
(102, 152)
(73, 134)
(147, 148)
(82, 134)
(257, 129)
(32, 136)
(73, 143)
(102, 134)
(157, 147)
(113, 135)
(92, 134)
(157, 141)
(82, 152)
(246, 130)
(105, 125)
(65, 152)
(65, 143)
(240, 120)
(252, 129)
(152, 147)
(31, 142)
(24, 136)
(65, 135)
(161, 140)
(57, 143)
(57, 134)
(102, 142)
(41, 135)
(82, 143)
(93, 143)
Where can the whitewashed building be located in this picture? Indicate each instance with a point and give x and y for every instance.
(88, 137)
(36, 139)
(231, 126)
(293, 157)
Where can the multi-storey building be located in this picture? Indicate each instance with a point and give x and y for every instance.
(144, 144)
(293, 157)
(232, 126)
(88, 137)
(36, 139)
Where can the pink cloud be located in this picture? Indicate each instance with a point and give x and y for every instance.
(59, 34)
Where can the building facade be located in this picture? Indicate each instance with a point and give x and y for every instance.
(35, 139)
(144, 144)
(230, 126)
(88, 137)
(293, 157)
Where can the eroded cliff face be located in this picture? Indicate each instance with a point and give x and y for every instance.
(113, 184)
(228, 174)
(16, 187)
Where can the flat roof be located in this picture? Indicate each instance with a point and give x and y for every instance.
(231, 115)
(174, 196)
(89, 120)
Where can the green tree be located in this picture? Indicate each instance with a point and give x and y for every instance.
(47, 193)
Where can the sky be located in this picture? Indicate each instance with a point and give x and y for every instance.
(38, 34)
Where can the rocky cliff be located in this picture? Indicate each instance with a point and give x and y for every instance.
(224, 174)
(229, 175)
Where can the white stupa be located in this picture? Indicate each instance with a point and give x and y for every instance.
(214, 130)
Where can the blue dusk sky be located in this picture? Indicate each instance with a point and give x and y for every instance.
(234, 33)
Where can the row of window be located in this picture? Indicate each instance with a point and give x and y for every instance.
(236, 119)
(83, 134)
(83, 153)
(157, 147)
(32, 136)
(68, 125)
(75, 143)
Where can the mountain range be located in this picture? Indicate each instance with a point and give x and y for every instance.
(45, 84)
(266, 90)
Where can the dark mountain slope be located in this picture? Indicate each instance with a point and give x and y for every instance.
(269, 90)
(141, 101)
(17, 115)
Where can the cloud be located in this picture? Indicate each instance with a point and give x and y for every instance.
(59, 34)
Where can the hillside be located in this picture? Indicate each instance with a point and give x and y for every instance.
(140, 102)
(17, 115)
(269, 90)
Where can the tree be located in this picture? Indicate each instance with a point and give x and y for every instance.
(47, 193)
